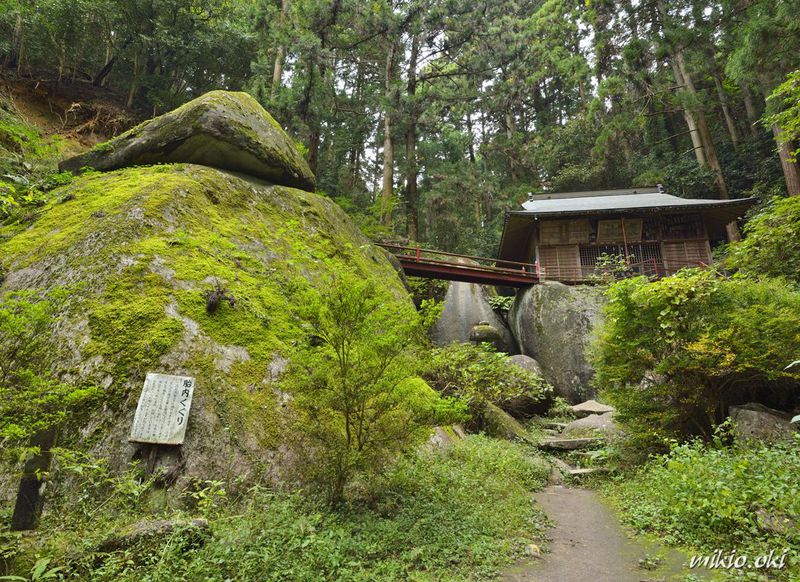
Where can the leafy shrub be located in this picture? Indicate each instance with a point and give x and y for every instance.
(31, 398)
(673, 354)
(357, 398)
(455, 515)
(427, 289)
(28, 165)
(501, 303)
(708, 496)
(476, 375)
(772, 243)
(561, 409)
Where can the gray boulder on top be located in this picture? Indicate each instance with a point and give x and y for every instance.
(221, 129)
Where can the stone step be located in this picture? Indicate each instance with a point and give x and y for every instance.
(587, 471)
(570, 444)
(555, 426)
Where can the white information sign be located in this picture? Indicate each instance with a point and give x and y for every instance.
(163, 410)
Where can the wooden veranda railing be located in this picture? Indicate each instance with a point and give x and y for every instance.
(419, 262)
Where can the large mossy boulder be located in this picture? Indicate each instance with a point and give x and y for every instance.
(553, 323)
(140, 251)
(220, 129)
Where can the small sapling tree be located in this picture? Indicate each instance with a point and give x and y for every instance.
(357, 399)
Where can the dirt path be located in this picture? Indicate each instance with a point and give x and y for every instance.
(589, 545)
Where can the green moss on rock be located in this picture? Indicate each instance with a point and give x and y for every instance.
(141, 248)
(220, 129)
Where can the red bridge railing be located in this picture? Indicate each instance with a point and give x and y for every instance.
(417, 261)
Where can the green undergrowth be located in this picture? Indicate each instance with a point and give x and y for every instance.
(28, 166)
(460, 514)
(744, 497)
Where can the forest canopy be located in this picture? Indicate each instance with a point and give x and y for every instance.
(430, 118)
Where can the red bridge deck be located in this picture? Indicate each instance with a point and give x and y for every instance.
(417, 262)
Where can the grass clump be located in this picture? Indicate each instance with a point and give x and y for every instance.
(708, 496)
(460, 514)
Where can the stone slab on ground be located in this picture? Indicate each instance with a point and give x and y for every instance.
(569, 444)
(591, 407)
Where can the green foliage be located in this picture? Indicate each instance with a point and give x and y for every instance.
(501, 303)
(423, 289)
(28, 166)
(673, 354)
(31, 398)
(458, 514)
(477, 375)
(354, 386)
(609, 268)
(708, 496)
(561, 409)
(787, 98)
(771, 245)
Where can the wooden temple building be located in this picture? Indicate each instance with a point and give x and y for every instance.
(649, 231)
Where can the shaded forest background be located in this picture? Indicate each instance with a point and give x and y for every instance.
(428, 119)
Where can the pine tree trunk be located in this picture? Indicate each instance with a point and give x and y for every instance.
(790, 168)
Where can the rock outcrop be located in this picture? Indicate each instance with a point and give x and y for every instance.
(220, 129)
(553, 323)
(499, 424)
(466, 305)
(756, 421)
(141, 249)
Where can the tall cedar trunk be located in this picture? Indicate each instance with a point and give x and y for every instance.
(750, 110)
(412, 210)
(471, 149)
(705, 134)
(305, 108)
(790, 169)
(726, 110)
(701, 137)
(134, 80)
(280, 54)
(512, 165)
(12, 58)
(688, 115)
(357, 143)
(388, 146)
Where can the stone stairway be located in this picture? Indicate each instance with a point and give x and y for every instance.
(571, 446)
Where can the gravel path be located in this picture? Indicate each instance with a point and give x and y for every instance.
(588, 544)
